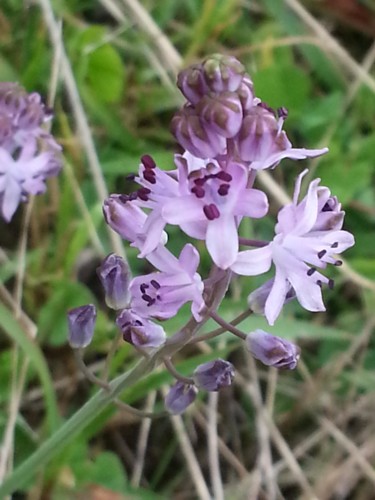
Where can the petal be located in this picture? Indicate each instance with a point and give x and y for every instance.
(184, 209)
(252, 203)
(189, 259)
(292, 153)
(277, 296)
(253, 262)
(11, 198)
(222, 241)
(153, 230)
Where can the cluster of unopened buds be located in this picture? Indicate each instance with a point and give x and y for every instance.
(28, 152)
(227, 135)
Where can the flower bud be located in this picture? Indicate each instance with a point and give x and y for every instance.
(123, 216)
(179, 397)
(260, 135)
(214, 375)
(114, 275)
(138, 331)
(330, 216)
(192, 134)
(81, 322)
(191, 83)
(222, 73)
(222, 113)
(272, 350)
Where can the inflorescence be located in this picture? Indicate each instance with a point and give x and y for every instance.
(228, 135)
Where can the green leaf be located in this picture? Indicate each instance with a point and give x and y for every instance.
(105, 74)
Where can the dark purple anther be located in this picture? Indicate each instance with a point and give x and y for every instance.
(155, 284)
(149, 175)
(335, 245)
(311, 271)
(143, 287)
(211, 211)
(223, 189)
(148, 161)
(143, 194)
(198, 191)
(282, 112)
(224, 176)
(331, 284)
(322, 253)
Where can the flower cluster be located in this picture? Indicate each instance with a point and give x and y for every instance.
(227, 135)
(28, 153)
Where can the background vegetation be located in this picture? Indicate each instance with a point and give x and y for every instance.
(108, 68)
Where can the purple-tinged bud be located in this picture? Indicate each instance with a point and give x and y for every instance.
(114, 275)
(81, 322)
(214, 375)
(222, 73)
(191, 83)
(330, 216)
(221, 112)
(273, 351)
(123, 216)
(13, 98)
(192, 134)
(246, 93)
(179, 397)
(260, 135)
(138, 331)
(258, 298)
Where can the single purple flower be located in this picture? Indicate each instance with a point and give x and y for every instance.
(81, 322)
(273, 351)
(213, 205)
(139, 331)
(161, 294)
(114, 275)
(262, 141)
(179, 397)
(214, 375)
(304, 241)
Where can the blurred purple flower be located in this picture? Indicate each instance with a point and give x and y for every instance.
(214, 375)
(179, 397)
(304, 241)
(81, 322)
(28, 153)
(114, 275)
(273, 351)
(139, 331)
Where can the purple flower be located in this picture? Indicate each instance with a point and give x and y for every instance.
(114, 275)
(211, 207)
(161, 294)
(214, 375)
(179, 397)
(262, 141)
(139, 331)
(28, 154)
(81, 322)
(306, 238)
(273, 351)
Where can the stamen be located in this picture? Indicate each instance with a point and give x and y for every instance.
(143, 194)
(282, 112)
(148, 161)
(335, 244)
(223, 189)
(331, 284)
(311, 271)
(149, 176)
(211, 211)
(147, 298)
(123, 198)
(319, 283)
(200, 182)
(155, 284)
(338, 263)
(130, 177)
(143, 287)
(224, 176)
(133, 196)
(322, 253)
(151, 303)
(198, 191)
